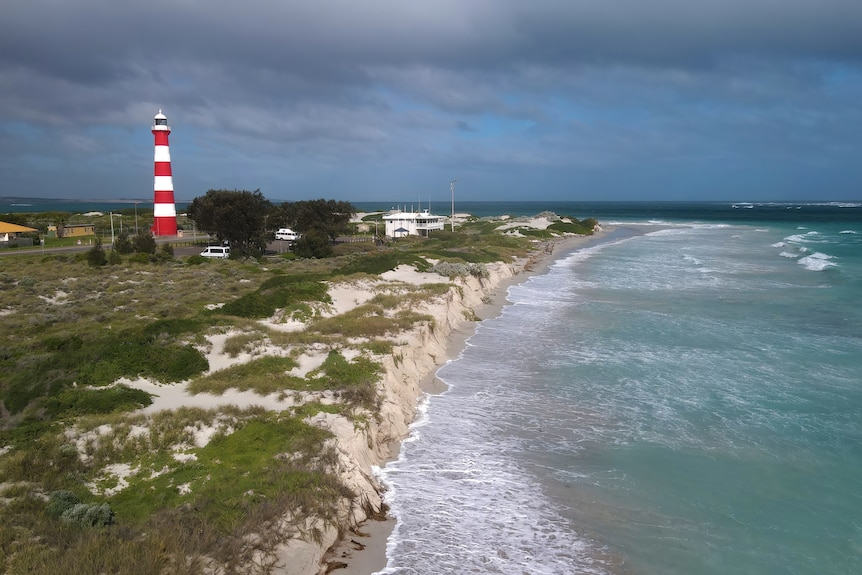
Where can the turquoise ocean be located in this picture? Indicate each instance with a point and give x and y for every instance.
(682, 397)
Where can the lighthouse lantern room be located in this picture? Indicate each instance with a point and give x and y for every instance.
(164, 208)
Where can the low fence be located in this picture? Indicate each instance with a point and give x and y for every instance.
(18, 243)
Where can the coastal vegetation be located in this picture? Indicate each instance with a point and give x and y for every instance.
(95, 482)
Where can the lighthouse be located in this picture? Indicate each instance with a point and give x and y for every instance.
(164, 209)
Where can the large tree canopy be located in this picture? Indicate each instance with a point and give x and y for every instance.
(328, 216)
(235, 216)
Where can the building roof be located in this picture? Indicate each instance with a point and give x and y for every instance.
(423, 215)
(7, 228)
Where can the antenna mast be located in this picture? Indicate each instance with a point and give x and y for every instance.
(452, 189)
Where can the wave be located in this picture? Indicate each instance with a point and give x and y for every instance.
(807, 238)
(838, 204)
(817, 262)
(798, 205)
(455, 490)
(847, 232)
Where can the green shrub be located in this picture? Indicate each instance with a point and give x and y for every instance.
(67, 507)
(60, 501)
(278, 292)
(173, 327)
(84, 401)
(456, 270)
(378, 263)
(140, 258)
(48, 367)
(89, 515)
(574, 227)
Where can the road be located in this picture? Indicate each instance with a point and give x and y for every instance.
(182, 246)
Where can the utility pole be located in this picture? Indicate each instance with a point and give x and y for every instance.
(452, 189)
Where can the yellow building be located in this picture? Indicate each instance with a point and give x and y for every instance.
(9, 232)
(73, 230)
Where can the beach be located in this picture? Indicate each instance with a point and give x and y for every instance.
(363, 552)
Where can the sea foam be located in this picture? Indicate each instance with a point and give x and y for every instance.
(817, 262)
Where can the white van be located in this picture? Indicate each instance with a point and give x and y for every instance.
(216, 252)
(286, 234)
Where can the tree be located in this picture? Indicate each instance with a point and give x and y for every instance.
(61, 225)
(123, 244)
(96, 255)
(314, 243)
(144, 243)
(165, 253)
(329, 216)
(235, 216)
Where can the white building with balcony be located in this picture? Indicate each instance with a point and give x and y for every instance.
(400, 224)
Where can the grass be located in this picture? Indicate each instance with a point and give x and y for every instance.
(263, 375)
(354, 380)
(245, 342)
(237, 469)
(267, 468)
(368, 321)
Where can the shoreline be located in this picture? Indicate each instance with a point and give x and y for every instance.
(364, 550)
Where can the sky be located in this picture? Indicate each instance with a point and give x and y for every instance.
(390, 100)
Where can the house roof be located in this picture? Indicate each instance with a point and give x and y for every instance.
(7, 228)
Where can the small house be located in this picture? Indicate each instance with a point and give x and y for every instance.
(73, 231)
(9, 232)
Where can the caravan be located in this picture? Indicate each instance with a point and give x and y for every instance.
(216, 252)
(286, 234)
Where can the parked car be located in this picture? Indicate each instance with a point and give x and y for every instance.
(286, 234)
(216, 252)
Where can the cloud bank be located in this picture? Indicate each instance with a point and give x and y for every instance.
(388, 100)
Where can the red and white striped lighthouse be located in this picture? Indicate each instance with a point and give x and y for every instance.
(164, 208)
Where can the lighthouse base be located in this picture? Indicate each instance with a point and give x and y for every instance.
(164, 226)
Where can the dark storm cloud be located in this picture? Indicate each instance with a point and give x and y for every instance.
(311, 87)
